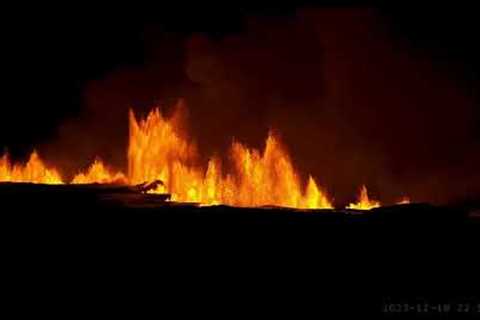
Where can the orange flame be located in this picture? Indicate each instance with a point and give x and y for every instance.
(98, 173)
(364, 203)
(34, 171)
(158, 150)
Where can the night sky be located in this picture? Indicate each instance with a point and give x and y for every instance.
(383, 95)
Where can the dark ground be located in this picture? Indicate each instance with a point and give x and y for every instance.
(74, 248)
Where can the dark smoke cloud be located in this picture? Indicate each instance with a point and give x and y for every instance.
(353, 104)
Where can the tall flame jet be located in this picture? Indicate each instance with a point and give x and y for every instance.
(159, 150)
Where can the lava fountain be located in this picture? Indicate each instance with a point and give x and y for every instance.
(364, 202)
(97, 172)
(159, 150)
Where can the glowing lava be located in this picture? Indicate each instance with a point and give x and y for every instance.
(98, 173)
(364, 203)
(159, 150)
(34, 171)
(404, 200)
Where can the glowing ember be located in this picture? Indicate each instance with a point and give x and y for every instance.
(364, 203)
(404, 200)
(159, 150)
(34, 171)
(98, 173)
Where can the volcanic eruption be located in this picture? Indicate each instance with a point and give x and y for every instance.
(271, 150)
(296, 112)
(158, 150)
